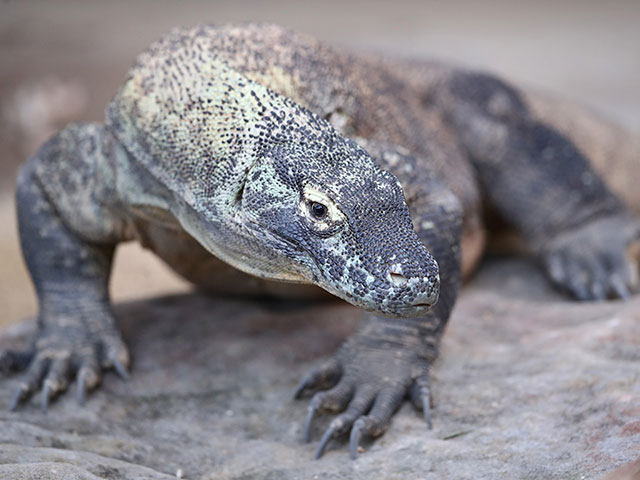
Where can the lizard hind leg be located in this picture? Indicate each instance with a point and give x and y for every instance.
(597, 260)
(541, 183)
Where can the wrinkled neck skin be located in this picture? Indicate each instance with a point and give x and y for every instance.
(216, 222)
(223, 226)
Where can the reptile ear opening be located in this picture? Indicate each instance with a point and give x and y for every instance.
(237, 201)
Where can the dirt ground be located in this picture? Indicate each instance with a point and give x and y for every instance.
(62, 61)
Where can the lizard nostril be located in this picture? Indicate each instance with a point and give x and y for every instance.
(397, 278)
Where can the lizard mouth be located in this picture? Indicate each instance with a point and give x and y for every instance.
(414, 309)
(260, 231)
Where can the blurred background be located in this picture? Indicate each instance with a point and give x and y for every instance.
(62, 60)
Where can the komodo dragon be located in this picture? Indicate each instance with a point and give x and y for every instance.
(253, 150)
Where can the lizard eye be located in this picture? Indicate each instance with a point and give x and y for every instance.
(318, 210)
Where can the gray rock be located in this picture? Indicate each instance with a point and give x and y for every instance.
(529, 385)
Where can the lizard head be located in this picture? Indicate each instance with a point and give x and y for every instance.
(269, 187)
(322, 211)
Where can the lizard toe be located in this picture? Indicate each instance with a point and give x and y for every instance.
(420, 395)
(88, 377)
(599, 280)
(325, 376)
(359, 405)
(334, 400)
(623, 275)
(555, 266)
(618, 287)
(115, 354)
(578, 280)
(377, 421)
(32, 380)
(56, 380)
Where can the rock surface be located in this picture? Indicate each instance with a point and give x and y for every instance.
(529, 385)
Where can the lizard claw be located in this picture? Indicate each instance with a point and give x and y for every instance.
(46, 396)
(81, 389)
(420, 394)
(297, 394)
(426, 410)
(619, 287)
(308, 421)
(119, 367)
(34, 377)
(324, 376)
(328, 435)
(354, 440)
(18, 395)
(88, 377)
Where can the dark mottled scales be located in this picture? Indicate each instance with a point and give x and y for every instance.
(212, 152)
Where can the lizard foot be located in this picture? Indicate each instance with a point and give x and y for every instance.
(61, 353)
(593, 262)
(368, 386)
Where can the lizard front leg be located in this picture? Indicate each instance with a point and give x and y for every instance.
(384, 361)
(388, 359)
(68, 238)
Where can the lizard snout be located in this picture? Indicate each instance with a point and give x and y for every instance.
(415, 293)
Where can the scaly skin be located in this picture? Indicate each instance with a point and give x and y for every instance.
(254, 147)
